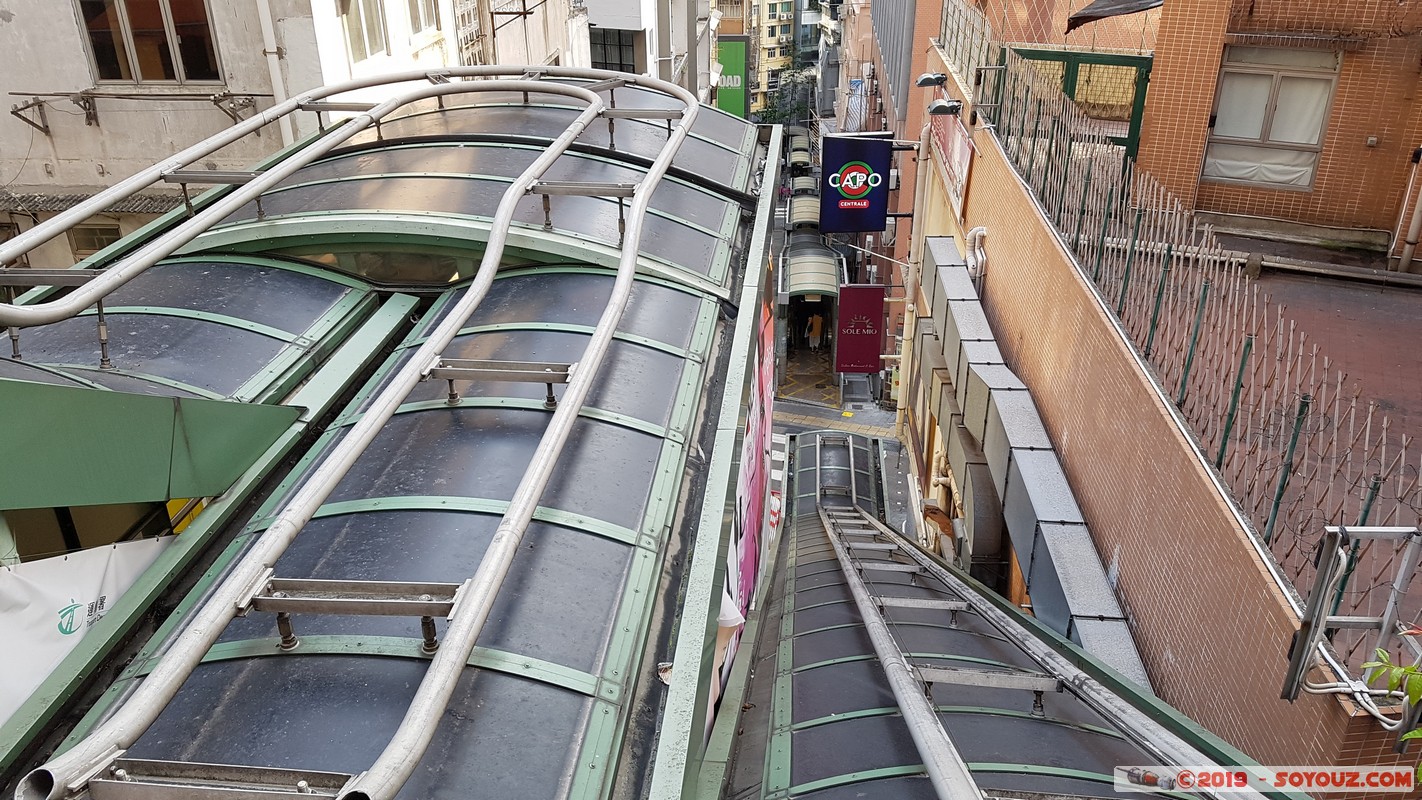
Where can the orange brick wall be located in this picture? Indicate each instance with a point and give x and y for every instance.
(1212, 626)
(1356, 186)
(1182, 92)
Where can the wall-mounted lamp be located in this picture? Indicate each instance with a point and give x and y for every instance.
(931, 79)
(941, 108)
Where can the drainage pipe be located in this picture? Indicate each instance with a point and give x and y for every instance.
(273, 54)
(976, 256)
(1414, 228)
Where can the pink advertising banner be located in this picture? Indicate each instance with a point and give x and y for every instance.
(859, 331)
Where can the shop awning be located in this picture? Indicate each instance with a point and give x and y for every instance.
(1102, 9)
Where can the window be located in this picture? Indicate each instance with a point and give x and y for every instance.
(135, 40)
(614, 49)
(365, 28)
(1270, 115)
(424, 14)
(8, 231)
(90, 238)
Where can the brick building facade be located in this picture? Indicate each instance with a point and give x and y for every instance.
(1301, 111)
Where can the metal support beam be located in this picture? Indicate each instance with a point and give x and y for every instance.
(577, 189)
(20, 276)
(468, 369)
(990, 679)
(214, 177)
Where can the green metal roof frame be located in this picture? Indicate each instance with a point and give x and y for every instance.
(30, 723)
(339, 231)
(746, 145)
(777, 784)
(299, 353)
(682, 747)
(621, 664)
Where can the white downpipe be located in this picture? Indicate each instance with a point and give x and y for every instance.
(1402, 207)
(976, 256)
(918, 235)
(269, 49)
(1414, 228)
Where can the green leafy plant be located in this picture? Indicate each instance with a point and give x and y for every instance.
(1405, 678)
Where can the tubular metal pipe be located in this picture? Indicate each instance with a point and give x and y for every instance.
(947, 771)
(402, 755)
(21, 316)
(1414, 228)
(269, 49)
(51, 780)
(1136, 724)
(134, 265)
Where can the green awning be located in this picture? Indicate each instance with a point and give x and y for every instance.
(76, 446)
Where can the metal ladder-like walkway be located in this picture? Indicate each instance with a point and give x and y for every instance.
(851, 530)
(865, 546)
(95, 765)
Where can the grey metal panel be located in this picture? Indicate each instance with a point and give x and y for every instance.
(945, 275)
(970, 353)
(982, 513)
(1111, 641)
(1066, 578)
(984, 381)
(962, 321)
(942, 251)
(893, 29)
(1012, 424)
(1036, 492)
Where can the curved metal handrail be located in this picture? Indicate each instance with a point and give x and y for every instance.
(108, 280)
(70, 772)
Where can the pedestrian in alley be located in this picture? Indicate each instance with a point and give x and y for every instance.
(815, 331)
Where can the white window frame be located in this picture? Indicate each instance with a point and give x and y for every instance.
(9, 229)
(1278, 73)
(84, 252)
(129, 53)
(354, 11)
(424, 16)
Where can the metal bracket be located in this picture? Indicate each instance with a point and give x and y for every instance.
(210, 176)
(90, 107)
(923, 602)
(142, 779)
(365, 598)
(990, 679)
(20, 276)
(1316, 620)
(18, 111)
(465, 369)
(234, 106)
(641, 113)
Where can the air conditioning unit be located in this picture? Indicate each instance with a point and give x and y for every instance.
(787, 16)
(785, 40)
(879, 106)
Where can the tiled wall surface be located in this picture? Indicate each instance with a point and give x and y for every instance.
(1210, 622)
(1356, 185)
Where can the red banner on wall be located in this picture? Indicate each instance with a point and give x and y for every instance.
(859, 330)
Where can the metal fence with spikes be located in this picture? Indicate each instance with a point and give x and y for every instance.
(1298, 443)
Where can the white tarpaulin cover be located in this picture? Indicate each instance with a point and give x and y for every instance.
(47, 606)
